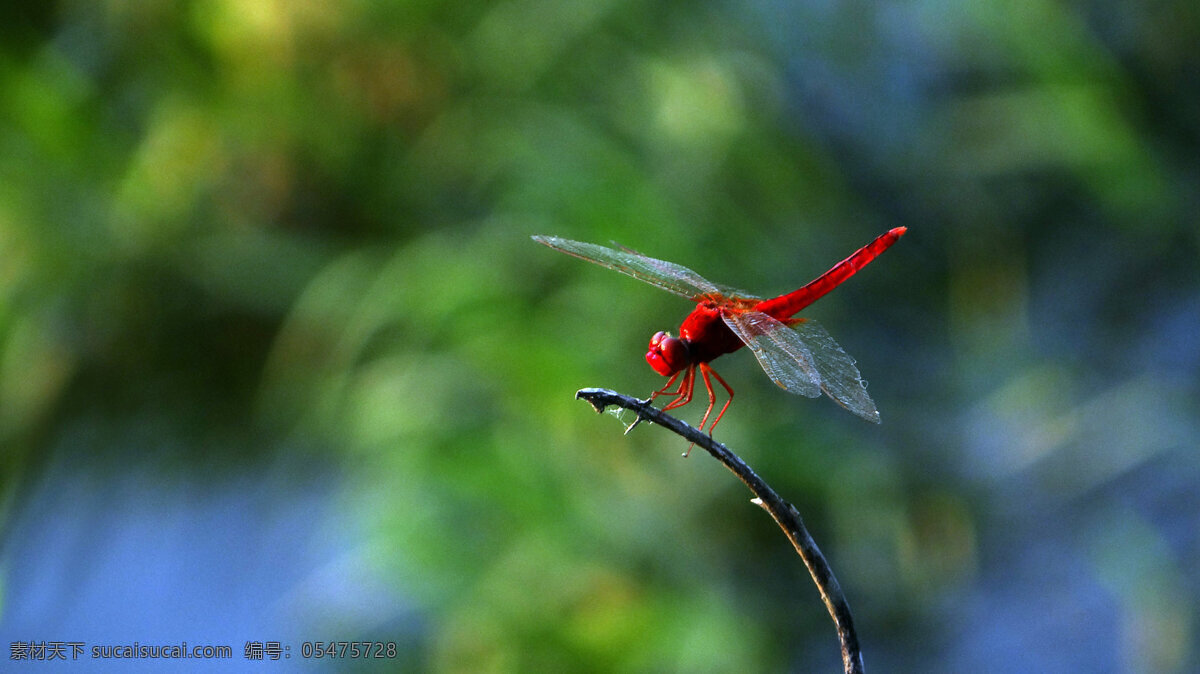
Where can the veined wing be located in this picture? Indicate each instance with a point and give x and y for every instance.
(779, 350)
(804, 360)
(666, 275)
(840, 378)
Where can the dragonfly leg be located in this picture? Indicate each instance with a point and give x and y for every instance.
(668, 385)
(706, 370)
(712, 397)
(663, 390)
(683, 394)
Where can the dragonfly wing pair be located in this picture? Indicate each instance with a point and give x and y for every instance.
(804, 360)
(673, 278)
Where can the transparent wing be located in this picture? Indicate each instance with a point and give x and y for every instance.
(840, 378)
(779, 350)
(804, 360)
(666, 275)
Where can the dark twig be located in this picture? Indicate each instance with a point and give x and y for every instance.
(784, 513)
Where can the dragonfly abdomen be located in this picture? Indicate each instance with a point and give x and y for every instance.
(792, 303)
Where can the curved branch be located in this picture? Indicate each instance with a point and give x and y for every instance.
(784, 513)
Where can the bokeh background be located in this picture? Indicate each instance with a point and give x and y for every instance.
(279, 361)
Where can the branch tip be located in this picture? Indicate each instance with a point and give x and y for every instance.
(594, 397)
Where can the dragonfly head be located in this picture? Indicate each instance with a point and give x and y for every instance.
(667, 354)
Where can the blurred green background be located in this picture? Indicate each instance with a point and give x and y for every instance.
(280, 362)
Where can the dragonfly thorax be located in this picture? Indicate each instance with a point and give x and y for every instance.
(667, 354)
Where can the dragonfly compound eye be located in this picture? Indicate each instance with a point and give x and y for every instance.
(667, 354)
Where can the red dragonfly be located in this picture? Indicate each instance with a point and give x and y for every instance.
(796, 353)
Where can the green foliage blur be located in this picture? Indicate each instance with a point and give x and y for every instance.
(278, 242)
